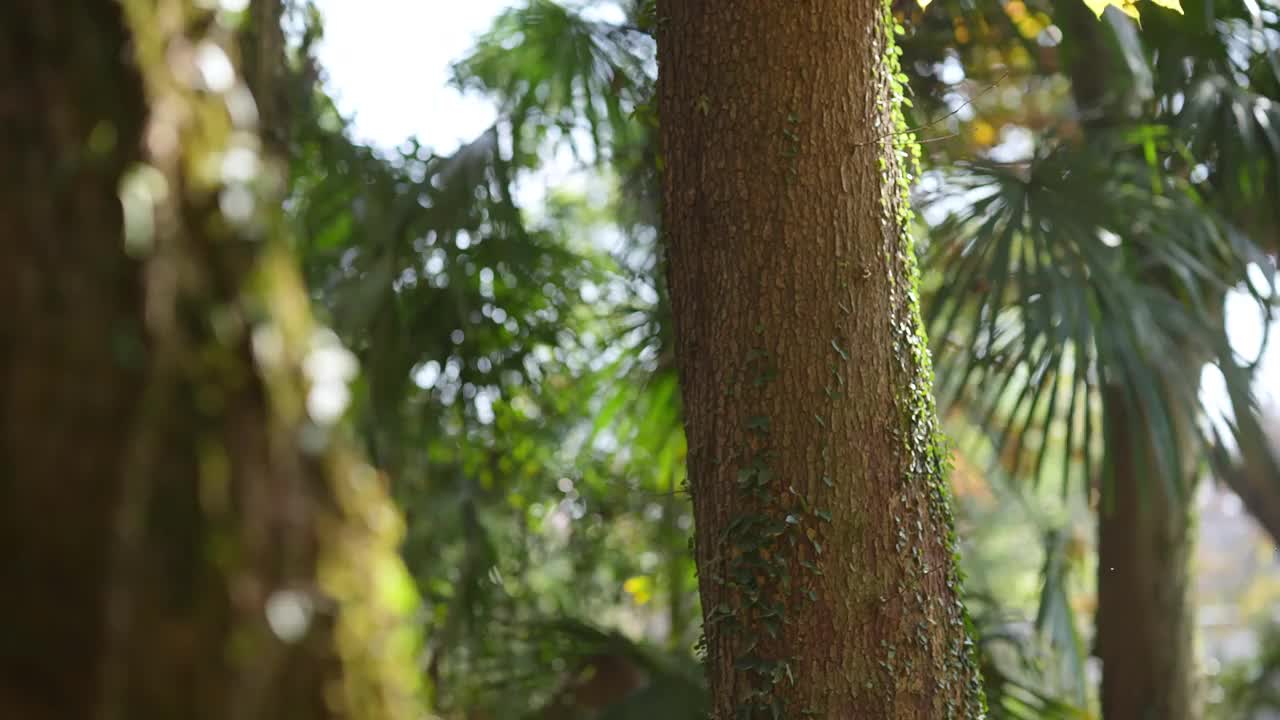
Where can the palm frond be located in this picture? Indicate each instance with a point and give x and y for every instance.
(1080, 268)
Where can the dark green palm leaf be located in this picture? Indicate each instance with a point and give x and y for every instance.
(1083, 265)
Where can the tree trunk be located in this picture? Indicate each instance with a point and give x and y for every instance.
(180, 539)
(1146, 615)
(823, 535)
(1145, 624)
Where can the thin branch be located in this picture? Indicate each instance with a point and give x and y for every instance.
(940, 138)
(931, 123)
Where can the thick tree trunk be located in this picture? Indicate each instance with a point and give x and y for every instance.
(70, 377)
(180, 540)
(1146, 616)
(823, 540)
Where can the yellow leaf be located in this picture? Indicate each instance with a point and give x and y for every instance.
(1125, 6)
(1128, 7)
(924, 4)
(983, 133)
(1098, 6)
(640, 588)
(1029, 27)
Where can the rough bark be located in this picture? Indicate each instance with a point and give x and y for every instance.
(180, 540)
(823, 535)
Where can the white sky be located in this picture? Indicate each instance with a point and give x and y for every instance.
(388, 67)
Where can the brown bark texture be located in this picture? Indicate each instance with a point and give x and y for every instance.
(823, 536)
(180, 541)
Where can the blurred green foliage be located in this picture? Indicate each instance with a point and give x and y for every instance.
(518, 381)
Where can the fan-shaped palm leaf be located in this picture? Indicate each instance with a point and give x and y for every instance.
(1079, 267)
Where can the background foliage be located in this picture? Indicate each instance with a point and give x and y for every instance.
(518, 382)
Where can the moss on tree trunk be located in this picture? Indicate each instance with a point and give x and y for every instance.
(181, 539)
(823, 535)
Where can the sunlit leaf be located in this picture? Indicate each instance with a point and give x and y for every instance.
(1100, 6)
(1175, 5)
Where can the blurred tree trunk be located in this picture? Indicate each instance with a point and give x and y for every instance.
(266, 72)
(1146, 620)
(180, 539)
(823, 534)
